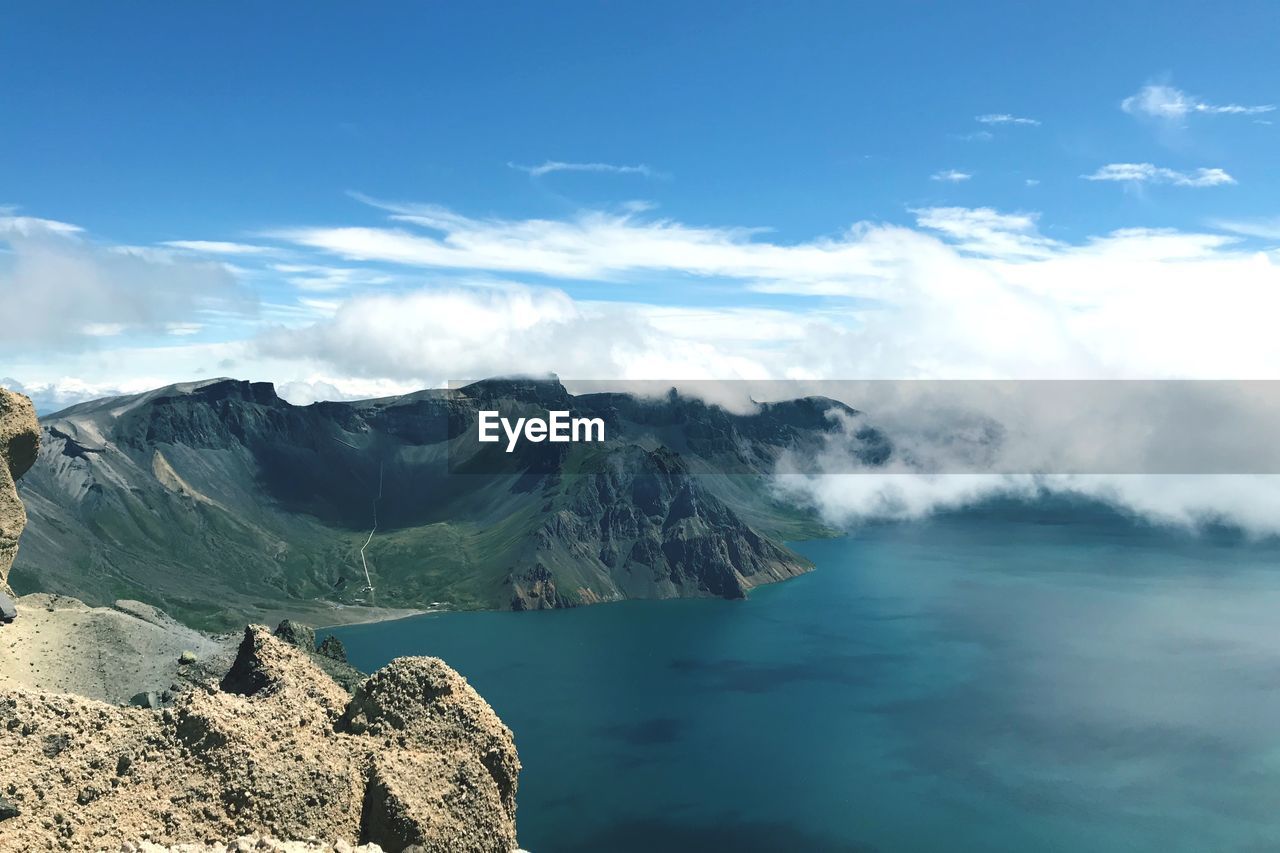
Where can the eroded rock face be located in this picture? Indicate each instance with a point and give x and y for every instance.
(19, 442)
(421, 701)
(416, 758)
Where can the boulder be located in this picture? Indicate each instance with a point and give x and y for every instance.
(8, 609)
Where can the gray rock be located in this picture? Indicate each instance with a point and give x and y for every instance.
(333, 649)
(297, 634)
(147, 699)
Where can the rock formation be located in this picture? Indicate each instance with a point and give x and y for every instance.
(415, 758)
(19, 442)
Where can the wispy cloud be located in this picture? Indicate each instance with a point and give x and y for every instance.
(551, 166)
(31, 226)
(1266, 229)
(1147, 173)
(1169, 103)
(950, 176)
(217, 247)
(1006, 118)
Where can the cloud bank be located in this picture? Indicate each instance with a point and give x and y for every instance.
(63, 291)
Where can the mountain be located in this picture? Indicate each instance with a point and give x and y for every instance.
(220, 502)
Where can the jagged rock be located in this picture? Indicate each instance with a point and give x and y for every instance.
(276, 753)
(333, 649)
(264, 664)
(331, 656)
(297, 634)
(19, 443)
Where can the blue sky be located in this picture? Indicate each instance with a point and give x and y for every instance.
(159, 131)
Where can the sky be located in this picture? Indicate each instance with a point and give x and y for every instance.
(353, 200)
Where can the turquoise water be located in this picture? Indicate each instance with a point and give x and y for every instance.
(1002, 681)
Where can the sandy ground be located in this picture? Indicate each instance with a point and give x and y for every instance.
(60, 644)
(355, 614)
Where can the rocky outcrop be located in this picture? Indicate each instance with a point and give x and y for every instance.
(330, 655)
(277, 748)
(19, 443)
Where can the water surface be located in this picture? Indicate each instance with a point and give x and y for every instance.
(996, 681)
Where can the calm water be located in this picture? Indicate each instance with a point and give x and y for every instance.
(986, 682)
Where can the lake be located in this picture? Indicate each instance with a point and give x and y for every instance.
(1015, 679)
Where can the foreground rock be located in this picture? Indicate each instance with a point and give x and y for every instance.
(415, 758)
(255, 843)
(19, 442)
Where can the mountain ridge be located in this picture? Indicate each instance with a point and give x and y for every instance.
(221, 502)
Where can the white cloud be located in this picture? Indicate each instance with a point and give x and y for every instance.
(433, 335)
(550, 166)
(218, 247)
(1171, 104)
(29, 226)
(967, 292)
(951, 176)
(102, 330)
(1148, 173)
(1266, 229)
(987, 231)
(1175, 453)
(63, 290)
(1006, 118)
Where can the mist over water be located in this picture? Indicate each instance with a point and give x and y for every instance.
(1013, 678)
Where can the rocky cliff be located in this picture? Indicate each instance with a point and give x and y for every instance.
(415, 759)
(19, 442)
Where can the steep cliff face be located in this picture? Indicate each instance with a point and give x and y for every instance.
(19, 442)
(415, 758)
(640, 526)
(220, 502)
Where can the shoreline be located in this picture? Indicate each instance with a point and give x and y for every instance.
(374, 615)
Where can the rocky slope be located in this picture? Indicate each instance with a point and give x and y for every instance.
(415, 758)
(222, 503)
(112, 654)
